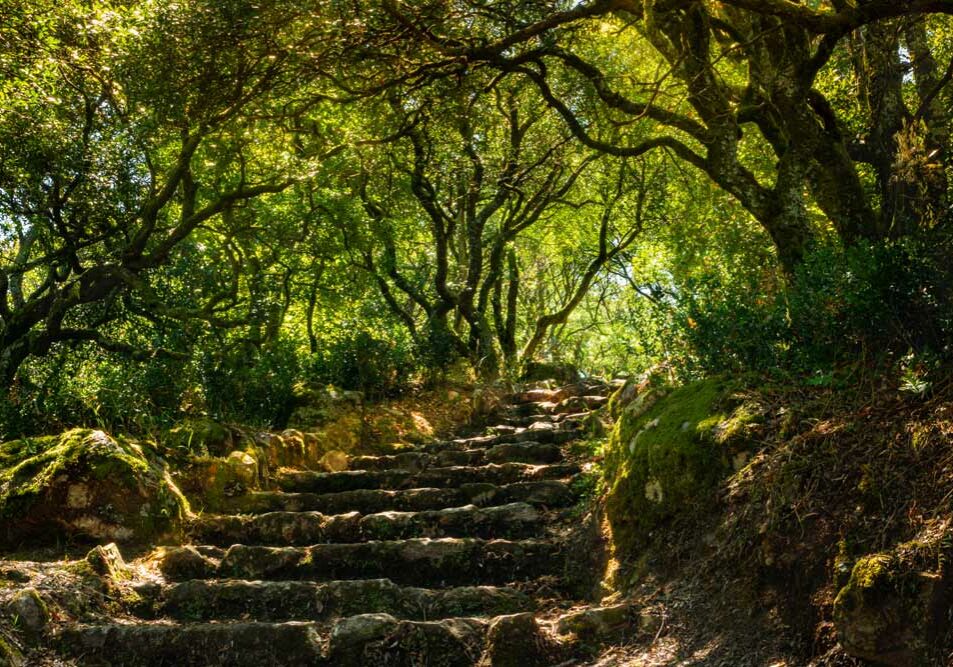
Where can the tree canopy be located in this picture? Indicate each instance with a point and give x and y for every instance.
(212, 200)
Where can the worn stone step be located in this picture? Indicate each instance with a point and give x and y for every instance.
(523, 452)
(578, 404)
(355, 641)
(513, 640)
(380, 639)
(565, 420)
(414, 562)
(212, 644)
(200, 600)
(543, 493)
(513, 520)
(351, 480)
(517, 420)
(523, 410)
(542, 432)
(540, 396)
(517, 452)
(402, 461)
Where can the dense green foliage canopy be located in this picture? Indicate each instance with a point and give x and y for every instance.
(207, 205)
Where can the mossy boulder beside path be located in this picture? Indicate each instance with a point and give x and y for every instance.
(84, 485)
(668, 450)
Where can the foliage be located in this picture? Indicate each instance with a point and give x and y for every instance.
(843, 304)
(206, 206)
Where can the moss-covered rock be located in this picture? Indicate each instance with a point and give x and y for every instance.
(10, 655)
(668, 450)
(28, 611)
(893, 607)
(84, 484)
(107, 561)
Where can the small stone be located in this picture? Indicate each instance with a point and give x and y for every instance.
(740, 460)
(28, 610)
(334, 461)
(363, 628)
(244, 468)
(107, 561)
(181, 563)
(77, 496)
(516, 641)
(597, 622)
(649, 623)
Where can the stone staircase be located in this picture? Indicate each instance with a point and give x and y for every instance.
(456, 553)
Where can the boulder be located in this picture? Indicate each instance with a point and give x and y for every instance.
(28, 611)
(84, 484)
(892, 610)
(667, 453)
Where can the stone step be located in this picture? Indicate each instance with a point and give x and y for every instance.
(545, 493)
(514, 520)
(523, 420)
(380, 639)
(212, 644)
(355, 641)
(199, 600)
(520, 452)
(351, 480)
(578, 404)
(414, 562)
(541, 432)
(565, 420)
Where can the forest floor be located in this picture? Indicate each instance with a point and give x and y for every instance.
(748, 579)
(843, 476)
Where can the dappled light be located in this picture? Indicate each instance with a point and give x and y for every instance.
(469, 333)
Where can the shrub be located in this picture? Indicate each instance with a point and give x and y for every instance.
(865, 301)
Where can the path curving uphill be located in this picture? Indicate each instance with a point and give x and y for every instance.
(464, 552)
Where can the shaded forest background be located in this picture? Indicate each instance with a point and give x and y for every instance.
(207, 207)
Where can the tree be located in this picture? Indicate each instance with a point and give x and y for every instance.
(448, 196)
(129, 141)
(741, 90)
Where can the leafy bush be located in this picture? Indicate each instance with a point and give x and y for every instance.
(85, 387)
(865, 301)
(375, 363)
(251, 384)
